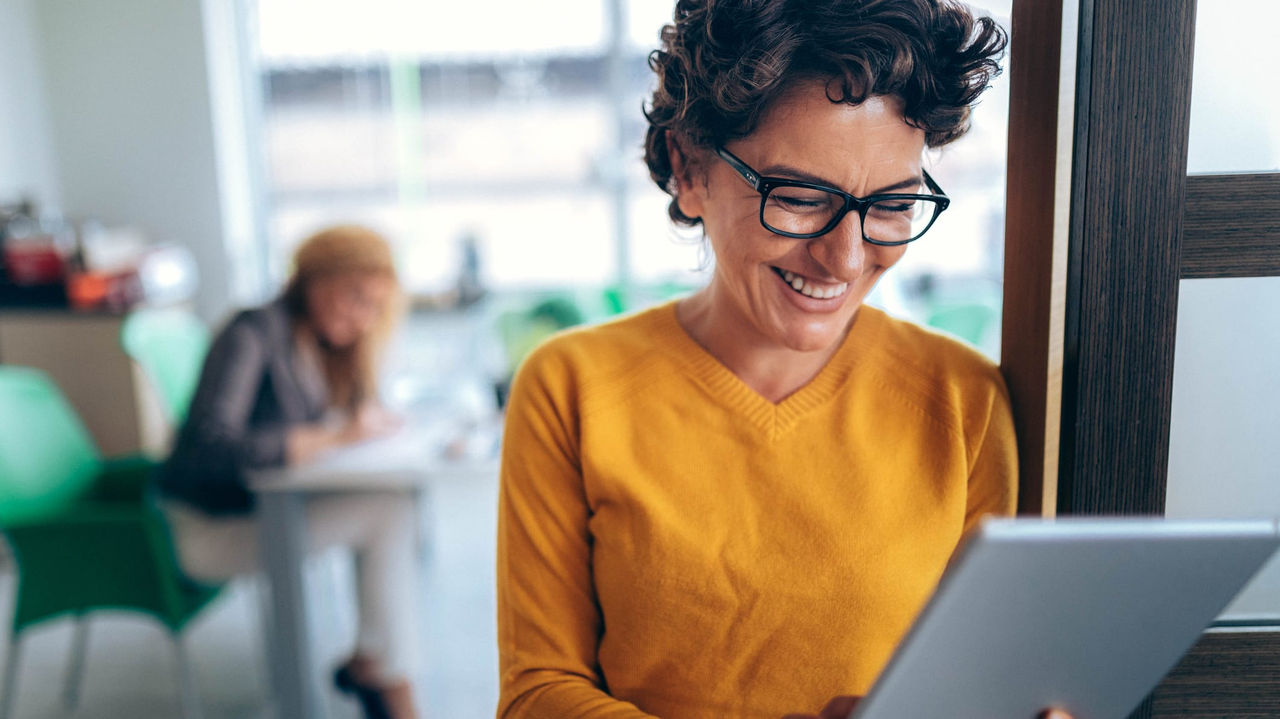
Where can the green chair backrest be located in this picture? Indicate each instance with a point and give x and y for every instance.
(969, 322)
(170, 345)
(47, 459)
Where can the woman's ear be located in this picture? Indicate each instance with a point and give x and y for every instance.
(687, 174)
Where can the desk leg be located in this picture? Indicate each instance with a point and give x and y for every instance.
(282, 526)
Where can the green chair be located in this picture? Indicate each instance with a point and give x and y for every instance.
(170, 346)
(83, 531)
(969, 322)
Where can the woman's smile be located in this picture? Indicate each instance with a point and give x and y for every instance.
(810, 294)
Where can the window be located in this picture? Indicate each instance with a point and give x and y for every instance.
(522, 137)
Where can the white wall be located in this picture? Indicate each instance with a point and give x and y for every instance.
(26, 151)
(129, 105)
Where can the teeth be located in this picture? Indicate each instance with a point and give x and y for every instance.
(808, 290)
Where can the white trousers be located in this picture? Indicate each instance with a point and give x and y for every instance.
(378, 527)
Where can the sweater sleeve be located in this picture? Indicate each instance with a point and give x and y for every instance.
(549, 622)
(993, 474)
(219, 416)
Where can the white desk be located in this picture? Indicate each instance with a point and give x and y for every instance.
(403, 462)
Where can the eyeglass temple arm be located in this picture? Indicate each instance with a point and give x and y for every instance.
(748, 175)
(932, 184)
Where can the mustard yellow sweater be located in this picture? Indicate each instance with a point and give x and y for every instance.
(671, 543)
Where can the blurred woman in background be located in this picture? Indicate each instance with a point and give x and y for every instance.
(282, 384)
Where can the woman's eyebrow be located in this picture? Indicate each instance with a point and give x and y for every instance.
(792, 173)
(907, 184)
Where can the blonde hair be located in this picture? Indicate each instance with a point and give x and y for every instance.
(350, 372)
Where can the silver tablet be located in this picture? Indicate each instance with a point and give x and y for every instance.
(1082, 614)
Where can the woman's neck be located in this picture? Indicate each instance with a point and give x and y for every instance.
(773, 371)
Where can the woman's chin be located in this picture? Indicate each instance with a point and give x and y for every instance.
(812, 339)
(337, 342)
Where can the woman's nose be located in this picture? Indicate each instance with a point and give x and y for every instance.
(841, 251)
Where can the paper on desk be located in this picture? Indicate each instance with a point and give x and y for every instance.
(412, 447)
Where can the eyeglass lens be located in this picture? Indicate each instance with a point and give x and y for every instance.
(803, 211)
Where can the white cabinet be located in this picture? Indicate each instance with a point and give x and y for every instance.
(82, 353)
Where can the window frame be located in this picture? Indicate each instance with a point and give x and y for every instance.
(1068, 317)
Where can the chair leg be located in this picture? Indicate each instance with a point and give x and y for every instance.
(11, 676)
(75, 672)
(186, 682)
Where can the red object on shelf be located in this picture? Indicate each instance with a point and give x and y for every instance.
(115, 291)
(87, 290)
(33, 264)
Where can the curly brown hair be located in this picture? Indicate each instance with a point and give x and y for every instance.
(722, 64)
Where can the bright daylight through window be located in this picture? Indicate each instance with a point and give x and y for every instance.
(508, 154)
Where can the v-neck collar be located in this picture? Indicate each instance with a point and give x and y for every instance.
(775, 419)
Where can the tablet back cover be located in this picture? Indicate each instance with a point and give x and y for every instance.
(1083, 614)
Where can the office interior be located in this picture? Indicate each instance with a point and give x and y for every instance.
(160, 160)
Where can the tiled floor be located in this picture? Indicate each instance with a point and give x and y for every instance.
(130, 670)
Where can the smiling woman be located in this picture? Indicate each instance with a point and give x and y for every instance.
(735, 504)
(751, 304)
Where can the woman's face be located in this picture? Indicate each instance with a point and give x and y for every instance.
(860, 149)
(343, 308)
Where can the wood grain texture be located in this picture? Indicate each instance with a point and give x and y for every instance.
(1034, 254)
(1126, 257)
(1227, 674)
(1122, 288)
(1128, 197)
(1232, 226)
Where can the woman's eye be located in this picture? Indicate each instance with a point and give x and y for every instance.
(893, 208)
(800, 202)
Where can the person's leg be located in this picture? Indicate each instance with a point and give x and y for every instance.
(212, 549)
(379, 527)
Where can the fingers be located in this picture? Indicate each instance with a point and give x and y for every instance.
(842, 707)
(388, 421)
(839, 708)
(373, 421)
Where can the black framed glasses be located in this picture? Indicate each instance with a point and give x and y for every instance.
(805, 210)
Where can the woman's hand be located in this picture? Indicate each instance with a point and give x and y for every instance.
(370, 422)
(838, 708)
(304, 443)
(842, 707)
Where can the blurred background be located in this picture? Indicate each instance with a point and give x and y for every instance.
(162, 159)
(504, 158)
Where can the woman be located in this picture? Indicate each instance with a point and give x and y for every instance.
(282, 384)
(734, 505)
